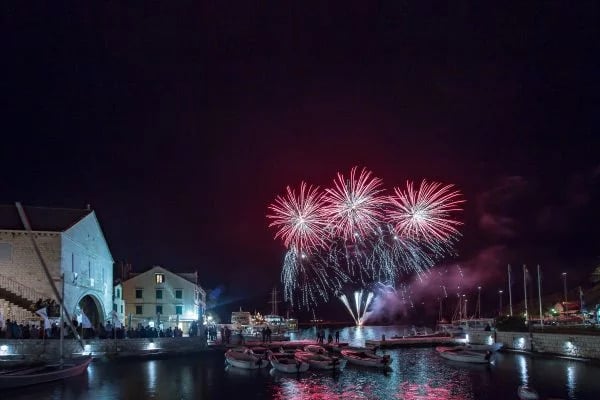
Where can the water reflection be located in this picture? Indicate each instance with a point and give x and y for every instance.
(523, 369)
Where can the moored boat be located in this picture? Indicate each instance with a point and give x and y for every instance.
(42, 374)
(463, 355)
(287, 363)
(366, 358)
(321, 361)
(484, 347)
(315, 348)
(245, 359)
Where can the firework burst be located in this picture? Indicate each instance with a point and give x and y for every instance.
(425, 213)
(354, 205)
(299, 219)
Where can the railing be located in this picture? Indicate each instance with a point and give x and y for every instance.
(19, 289)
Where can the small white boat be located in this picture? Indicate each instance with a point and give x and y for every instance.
(245, 359)
(526, 393)
(260, 351)
(321, 361)
(485, 347)
(315, 348)
(288, 363)
(463, 355)
(46, 373)
(366, 358)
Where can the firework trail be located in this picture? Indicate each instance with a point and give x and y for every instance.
(299, 218)
(351, 233)
(425, 213)
(354, 205)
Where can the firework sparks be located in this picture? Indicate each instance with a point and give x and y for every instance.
(360, 306)
(354, 205)
(299, 219)
(425, 213)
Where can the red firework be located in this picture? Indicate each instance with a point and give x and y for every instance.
(299, 220)
(425, 213)
(354, 206)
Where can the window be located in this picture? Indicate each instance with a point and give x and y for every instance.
(72, 262)
(5, 252)
(159, 309)
(114, 307)
(160, 278)
(178, 293)
(159, 293)
(178, 310)
(121, 308)
(90, 269)
(118, 293)
(138, 293)
(139, 310)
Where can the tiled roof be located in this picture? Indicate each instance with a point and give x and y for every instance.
(41, 218)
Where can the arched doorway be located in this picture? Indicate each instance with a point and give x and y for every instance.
(90, 306)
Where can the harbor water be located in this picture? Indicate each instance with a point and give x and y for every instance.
(417, 373)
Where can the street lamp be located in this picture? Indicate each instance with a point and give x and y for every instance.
(500, 300)
(566, 307)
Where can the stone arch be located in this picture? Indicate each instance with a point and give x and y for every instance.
(91, 305)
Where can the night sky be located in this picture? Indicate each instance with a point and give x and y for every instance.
(180, 123)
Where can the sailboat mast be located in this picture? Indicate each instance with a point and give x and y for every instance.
(540, 295)
(62, 317)
(525, 289)
(509, 293)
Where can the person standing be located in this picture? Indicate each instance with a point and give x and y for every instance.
(337, 337)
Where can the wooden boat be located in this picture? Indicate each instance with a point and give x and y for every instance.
(526, 393)
(463, 355)
(288, 363)
(366, 358)
(260, 351)
(321, 361)
(42, 374)
(245, 359)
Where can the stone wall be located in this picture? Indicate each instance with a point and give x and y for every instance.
(584, 346)
(42, 350)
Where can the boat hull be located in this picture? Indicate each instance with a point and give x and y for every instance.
(462, 355)
(43, 374)
(317, 361)
(289, 365)
(370, 360)
(245, 360)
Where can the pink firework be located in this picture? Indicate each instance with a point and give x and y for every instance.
(299, 220)
(425, 213)
(354, 205)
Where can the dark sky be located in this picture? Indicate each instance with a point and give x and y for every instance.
(180, 123)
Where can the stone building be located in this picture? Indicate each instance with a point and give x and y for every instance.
(72, 245)
(159, 297)
(118, 302)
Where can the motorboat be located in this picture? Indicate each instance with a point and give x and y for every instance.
(245, 359)
(365, 358)
(288, 363)
(526, 393)
(41, 374)
(321, 361)
(463, 355)
(484, 347)
(260, 351)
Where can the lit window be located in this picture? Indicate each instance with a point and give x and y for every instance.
(178, 293)
(139, 310)
(178, 310)
(159, 309)
(138, 293)
(159, 293)
(160, 278)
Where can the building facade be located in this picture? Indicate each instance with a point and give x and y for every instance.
(160, 298)
(119, 303)
(73, 247)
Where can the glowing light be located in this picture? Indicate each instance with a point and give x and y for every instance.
(361, 309)
(3, 348)
(151, 346)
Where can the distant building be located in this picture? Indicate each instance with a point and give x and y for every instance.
(118, 302)
(161, 298)
(72, 245)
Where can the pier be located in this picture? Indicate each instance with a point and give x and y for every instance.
(415, 341)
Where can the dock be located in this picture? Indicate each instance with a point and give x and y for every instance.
(416, 341)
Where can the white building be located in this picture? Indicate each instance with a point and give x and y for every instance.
(118, 302)
(159, 297)
(72, 244)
